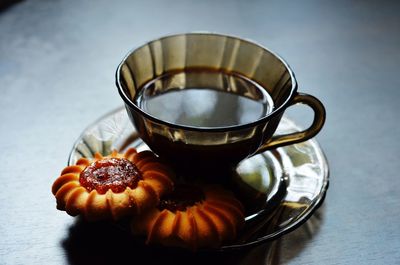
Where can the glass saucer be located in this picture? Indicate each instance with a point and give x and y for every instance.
(285, 186)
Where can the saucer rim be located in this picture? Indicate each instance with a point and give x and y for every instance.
(262, 239)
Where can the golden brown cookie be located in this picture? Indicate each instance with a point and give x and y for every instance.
(192, 217)
(113, 186)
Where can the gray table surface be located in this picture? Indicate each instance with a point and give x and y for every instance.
(57, 64)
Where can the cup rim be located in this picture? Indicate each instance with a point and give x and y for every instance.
(270, 115)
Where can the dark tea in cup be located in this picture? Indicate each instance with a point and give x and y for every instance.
(204, 98)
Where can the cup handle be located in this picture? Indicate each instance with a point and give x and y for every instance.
(296, 137)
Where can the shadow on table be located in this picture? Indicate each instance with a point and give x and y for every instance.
(4, 4)
(105, 243)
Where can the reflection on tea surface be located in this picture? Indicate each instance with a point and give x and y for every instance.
(204, 99)
(204, 108)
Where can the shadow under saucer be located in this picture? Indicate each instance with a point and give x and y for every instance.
(105, 243)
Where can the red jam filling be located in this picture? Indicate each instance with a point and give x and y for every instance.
(182, 197)
(110, 173)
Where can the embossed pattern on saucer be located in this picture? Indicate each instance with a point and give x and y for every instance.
(294, 179)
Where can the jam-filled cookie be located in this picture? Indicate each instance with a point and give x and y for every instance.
(192, 217)
(113, 186)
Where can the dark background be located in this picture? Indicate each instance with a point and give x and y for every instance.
(57, 65)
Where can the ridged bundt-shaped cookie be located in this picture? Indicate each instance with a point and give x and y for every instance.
(192, 217)
(113, 186)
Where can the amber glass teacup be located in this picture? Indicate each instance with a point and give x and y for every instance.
(228, 65)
